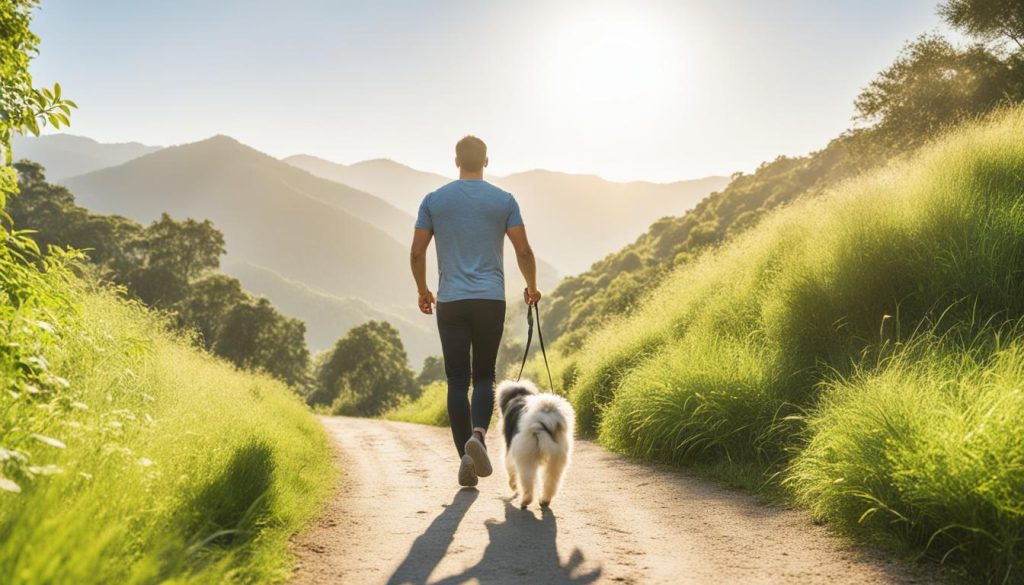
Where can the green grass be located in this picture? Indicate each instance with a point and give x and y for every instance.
(174, 467)
(778, 355)
(429, 408)
(925, 452)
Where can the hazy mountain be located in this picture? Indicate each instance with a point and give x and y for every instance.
(305, 228)
(324, 252)
(402, 186)
(66, 155)
(573, 220)
(328, 316)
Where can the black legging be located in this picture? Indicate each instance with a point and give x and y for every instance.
(476, 324)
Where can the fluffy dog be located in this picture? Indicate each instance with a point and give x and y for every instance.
(538, 429)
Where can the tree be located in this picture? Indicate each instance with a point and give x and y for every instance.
(187, 248)
(171, 254)
(432, 371)
(933, 85)
(989, 20)
(366, 373)
(254, 336)
(23, 108)
(207, 304)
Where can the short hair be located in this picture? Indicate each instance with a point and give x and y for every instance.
(470, 154)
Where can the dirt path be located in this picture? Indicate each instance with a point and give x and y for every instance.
(400, 518)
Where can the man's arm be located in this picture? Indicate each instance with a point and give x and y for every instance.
(418, 259)
(527, 262)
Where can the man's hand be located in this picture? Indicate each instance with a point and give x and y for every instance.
(531, 296)
(427, 302)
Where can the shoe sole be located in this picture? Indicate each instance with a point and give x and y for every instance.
(481, 462)
(467, 476)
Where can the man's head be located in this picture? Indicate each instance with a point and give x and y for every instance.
(471, 155)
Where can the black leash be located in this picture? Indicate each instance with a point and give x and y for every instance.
(530, 310)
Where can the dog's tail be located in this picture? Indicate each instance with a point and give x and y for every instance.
(553, 425)
(508, 391)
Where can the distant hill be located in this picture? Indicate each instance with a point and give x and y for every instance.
(402, 186)
(597, 216)
(575, 220)
(66, 155)
(302, 227)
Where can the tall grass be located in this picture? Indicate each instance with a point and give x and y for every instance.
(739, 357)
(925, 452)
(429, 408)
(157, 463)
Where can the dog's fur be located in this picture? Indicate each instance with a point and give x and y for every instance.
(538, 430)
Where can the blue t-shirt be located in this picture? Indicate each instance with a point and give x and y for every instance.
(469, 218)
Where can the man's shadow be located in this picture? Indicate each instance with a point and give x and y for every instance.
(431, 546)
(523, 549)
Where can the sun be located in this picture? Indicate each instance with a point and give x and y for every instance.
(609, 56)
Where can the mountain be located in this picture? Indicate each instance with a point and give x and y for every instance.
(596, 215)
(328, 316)
(402, 186)
(322, 251)
(66, 155)
(593, 215)
(305, 228)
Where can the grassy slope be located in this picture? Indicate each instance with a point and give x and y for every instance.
(430, 408)
(176, 467)
(855, 345)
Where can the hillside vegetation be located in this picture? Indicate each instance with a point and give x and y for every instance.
(130, 456)
(859, 349)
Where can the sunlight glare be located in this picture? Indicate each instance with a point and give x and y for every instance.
(610, 56)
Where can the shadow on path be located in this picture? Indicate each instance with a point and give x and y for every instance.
(431, 546)
(523, 549)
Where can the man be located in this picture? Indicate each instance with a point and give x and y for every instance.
(470, 219)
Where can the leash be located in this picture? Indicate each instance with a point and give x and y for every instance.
(530, 310)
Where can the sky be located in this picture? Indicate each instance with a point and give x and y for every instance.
(656, 90)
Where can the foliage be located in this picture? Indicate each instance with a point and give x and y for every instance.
(366, 372)
(149, 461)
(989, 20)
(255, 336)
(206, 306)
(173, 254)
(432, 371)
(803, 334)
(933, 86)
(23, 108)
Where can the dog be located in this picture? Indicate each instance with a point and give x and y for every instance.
(538, 431)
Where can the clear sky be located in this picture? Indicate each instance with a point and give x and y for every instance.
(638, 89)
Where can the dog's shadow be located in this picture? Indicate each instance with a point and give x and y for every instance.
(523, 549)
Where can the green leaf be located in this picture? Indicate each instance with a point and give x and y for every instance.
(56, 90)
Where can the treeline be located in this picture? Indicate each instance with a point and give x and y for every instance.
(933, 85)
(169, 265)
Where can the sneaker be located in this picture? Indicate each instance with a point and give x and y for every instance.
(481, 463)
(467, 475)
